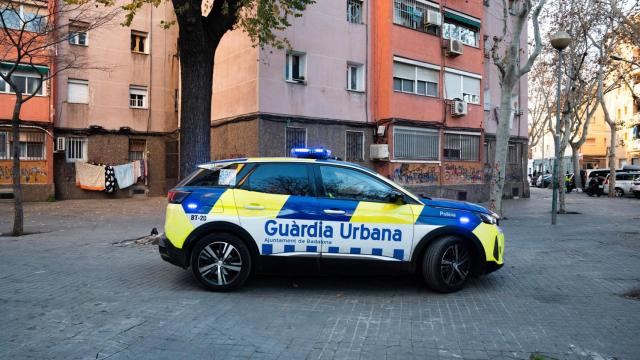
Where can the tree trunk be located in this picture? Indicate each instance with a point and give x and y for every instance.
(612, 161)
(18, 216)
(503, 134)
(197, 52)
(575, 153)
(562, 207)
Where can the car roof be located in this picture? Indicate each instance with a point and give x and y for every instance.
(283, 160)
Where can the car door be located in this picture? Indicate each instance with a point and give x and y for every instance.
(276, 204)
(360, 219)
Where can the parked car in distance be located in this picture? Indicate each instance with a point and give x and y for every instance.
(624, 182)
(544, 181)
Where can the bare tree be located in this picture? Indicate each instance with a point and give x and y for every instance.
(506, 51)
(28, 41)
(540, 99)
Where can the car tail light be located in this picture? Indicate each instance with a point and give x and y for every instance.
(177, 196)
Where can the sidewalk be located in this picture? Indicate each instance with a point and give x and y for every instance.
(69, 293)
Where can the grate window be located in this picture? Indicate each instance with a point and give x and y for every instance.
(354, 150)
(295, 138)
(461, 147)
(415, 144)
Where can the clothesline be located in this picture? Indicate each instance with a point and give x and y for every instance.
(107, 177)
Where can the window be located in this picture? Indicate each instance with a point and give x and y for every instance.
(139, 42)
(76, 149)
(514, 153)
(415, 144)
(27, 84)
(413, 14)
(77, 91)
(32, 145)
(138, 97)
(463, 87)
(355, 77)
(461, 147)
(455, 31)
(354, 146)
(78, 34)
(221, 176)
(354, 11)
(4, 145)
(590, 141)
(283, 179)
(415, 79)
(296, 67)
(489, 152)
(295, 138)
(16, 18)
(348, 184)
(137, 149)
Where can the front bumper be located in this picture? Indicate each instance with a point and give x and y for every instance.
(171, 254)
(492, 266)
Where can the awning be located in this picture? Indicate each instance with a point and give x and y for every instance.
(467, 20)
(25, 67)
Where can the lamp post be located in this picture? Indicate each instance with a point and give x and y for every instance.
(560, 40)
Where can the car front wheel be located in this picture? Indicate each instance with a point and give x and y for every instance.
(221, 262)
(618, 192)
(447, 264)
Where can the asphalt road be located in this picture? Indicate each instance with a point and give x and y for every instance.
(68, 292)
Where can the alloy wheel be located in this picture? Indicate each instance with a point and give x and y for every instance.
(219, 263)
(618, 193)
(455, 265)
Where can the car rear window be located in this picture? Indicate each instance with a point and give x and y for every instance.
(223, 176)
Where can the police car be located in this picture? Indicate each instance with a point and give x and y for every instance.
(234, 217)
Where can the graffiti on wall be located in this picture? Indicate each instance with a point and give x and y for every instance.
(462, 173)
(417, 174)
(30, 173)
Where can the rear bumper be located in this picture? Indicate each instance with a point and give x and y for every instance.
(170, 253)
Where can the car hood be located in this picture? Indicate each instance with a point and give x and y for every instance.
(457, 205)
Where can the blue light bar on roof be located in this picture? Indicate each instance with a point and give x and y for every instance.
(311, 153)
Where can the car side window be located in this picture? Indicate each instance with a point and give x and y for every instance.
(343, 183)
(282, 179)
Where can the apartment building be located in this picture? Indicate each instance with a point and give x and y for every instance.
(124, 106)
(268, 101)
(427, 98)
(36, 130)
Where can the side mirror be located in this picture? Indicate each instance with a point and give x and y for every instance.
(396, 197)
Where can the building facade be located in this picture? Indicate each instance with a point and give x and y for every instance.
(399, 87)
(36, 125)
(124, 107)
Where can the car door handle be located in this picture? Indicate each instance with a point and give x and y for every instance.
(254, 207)
(334, 212)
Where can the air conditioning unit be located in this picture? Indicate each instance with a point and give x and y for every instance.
(379, 151)
(458, 108)
(433, 18)
(454, 48)
(61, 143)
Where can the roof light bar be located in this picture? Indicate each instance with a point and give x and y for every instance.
(311, 153)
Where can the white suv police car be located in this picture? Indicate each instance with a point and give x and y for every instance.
(233, 217)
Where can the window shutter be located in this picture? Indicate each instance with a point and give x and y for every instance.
(78, 91)
(453, 87)
(471, 85)
(404, 71)
(427, 75)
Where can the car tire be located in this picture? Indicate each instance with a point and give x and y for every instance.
(447, 264)
(221, 262)
(618, 192)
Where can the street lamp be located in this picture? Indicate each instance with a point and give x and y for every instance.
(560, 40)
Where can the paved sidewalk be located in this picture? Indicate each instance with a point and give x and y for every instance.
(69, 293)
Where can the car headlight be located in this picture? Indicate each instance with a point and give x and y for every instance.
(491, 219)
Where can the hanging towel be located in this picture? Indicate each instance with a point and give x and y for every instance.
(124, 175)
(90, 177)
(109, 179)
(136, 170)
